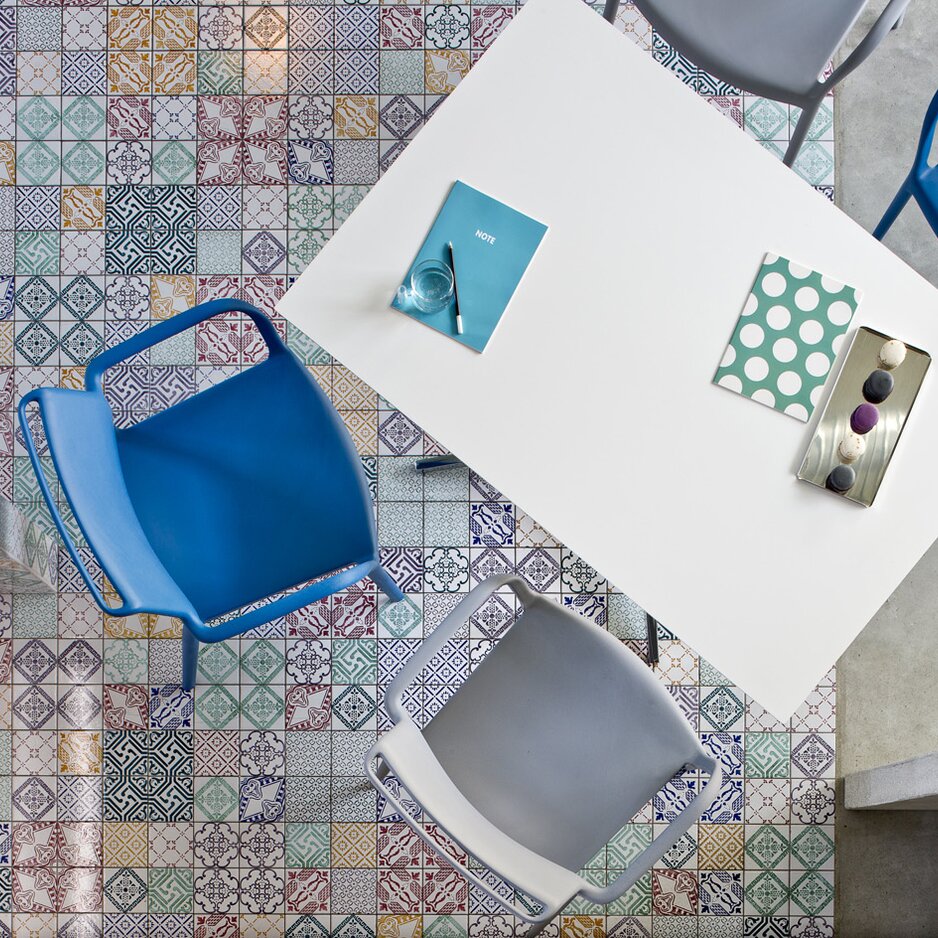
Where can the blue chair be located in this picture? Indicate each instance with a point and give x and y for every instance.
(236, 494)
(922, 181)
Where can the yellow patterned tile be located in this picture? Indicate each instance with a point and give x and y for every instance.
(444, 69)
(356, 116)
(82, 208)
(6, 343)
(164, 627)
(175, 28)
(400, 926)
(125, 626)
(363, 426)
(323, 376)
(80, 753)
(72, 379)
(6, 707)
(125, 843)
(582, 926)
(349, 392)
(33, 925)
(720, 846)
(353, 845)
(266, 27)
(528, 533)
(7, 163)
(677, 663)
(128, 72)
(171, 294)
(174, 72)
(260, 926)
(265, 72)
(39, 73)
(129, 28)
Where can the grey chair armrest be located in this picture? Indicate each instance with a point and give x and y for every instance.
(888, 20)
(434, 643)
(664, 841)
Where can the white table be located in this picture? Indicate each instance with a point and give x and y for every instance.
(660, 212)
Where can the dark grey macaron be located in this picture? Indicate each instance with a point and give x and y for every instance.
(841, 479)
(878, 386)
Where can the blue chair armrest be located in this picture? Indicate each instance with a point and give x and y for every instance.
(35, 397)
(167, 328)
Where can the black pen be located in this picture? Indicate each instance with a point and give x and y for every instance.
(651, 627)
(452, 264)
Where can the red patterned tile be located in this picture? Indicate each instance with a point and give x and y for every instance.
(398, 846)
(307, 891)
(674, 892)
(399, 890)
(125, 706)
(308, 707)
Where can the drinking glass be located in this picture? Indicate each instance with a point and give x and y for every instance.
(431, 286)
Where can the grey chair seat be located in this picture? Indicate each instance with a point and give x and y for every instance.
(775, 48)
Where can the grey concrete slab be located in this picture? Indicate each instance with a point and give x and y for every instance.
(910, 785)
(887, 711)
(887, 693)
(885, 873)
(878, 119)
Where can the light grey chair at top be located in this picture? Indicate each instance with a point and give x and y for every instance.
(553, 743)
(774, 48)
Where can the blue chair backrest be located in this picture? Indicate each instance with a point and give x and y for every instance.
(237, 493)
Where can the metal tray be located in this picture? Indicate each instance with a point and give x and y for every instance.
(822, 455)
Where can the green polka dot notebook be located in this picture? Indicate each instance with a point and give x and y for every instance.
(787, 337)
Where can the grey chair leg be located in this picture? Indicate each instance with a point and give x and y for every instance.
(536, 930)
(808, 113)
(609, 13)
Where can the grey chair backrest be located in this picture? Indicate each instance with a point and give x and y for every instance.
(553, 743)
(774, 48)
(562, 711)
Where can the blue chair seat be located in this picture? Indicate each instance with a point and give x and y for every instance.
(232, 496)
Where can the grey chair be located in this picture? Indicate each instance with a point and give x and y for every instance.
(774, 48)
(553, 743)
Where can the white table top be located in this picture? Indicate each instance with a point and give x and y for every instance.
(593, 402)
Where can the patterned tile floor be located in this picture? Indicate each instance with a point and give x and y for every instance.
(153, 156)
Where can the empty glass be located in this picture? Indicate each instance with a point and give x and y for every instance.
(431, 286)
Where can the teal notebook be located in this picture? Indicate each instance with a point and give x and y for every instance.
(493, 245)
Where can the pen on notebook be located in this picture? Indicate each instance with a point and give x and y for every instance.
(452, 263)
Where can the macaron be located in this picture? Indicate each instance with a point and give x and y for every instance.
(851, 447)
(841, 479)
(892, 354)
(878, 386)
(864, 418)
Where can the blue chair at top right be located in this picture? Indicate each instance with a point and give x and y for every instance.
(922, 181)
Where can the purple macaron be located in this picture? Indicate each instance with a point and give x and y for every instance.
(864, 418)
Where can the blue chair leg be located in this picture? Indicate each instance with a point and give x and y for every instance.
(387, 586)
(190, 658)
(892, 213)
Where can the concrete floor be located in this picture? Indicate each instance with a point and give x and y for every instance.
(887, 695)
